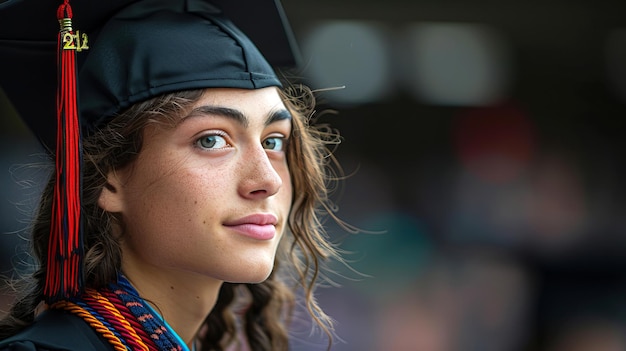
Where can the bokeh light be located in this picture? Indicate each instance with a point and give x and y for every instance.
(348, 54)
(456, 63)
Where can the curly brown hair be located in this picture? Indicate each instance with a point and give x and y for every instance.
(259, 312)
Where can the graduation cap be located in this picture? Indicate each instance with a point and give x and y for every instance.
(28, 42)
(67, 68)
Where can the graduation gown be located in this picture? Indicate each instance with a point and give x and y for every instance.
(56, 330)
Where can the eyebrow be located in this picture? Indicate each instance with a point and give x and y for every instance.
(236, 115)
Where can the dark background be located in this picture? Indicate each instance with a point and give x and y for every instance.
(484, 145)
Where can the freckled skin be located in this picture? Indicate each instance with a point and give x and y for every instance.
(176, 197)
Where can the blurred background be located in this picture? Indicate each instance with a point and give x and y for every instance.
(484, 145)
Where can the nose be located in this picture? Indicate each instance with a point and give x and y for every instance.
(259, 177)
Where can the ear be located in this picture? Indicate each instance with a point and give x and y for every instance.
(111, 198)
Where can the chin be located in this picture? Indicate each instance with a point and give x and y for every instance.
(253, 275)
(259, 278)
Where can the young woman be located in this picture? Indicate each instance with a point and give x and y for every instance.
(204, 183)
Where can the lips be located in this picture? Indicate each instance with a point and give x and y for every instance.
(258, 226)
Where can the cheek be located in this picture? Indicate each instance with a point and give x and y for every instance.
(286, 192)
(173, 214)
(181, 195)
(288, 188)
(160, 198)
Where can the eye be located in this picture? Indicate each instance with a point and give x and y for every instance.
(211, 141)
(274, 144)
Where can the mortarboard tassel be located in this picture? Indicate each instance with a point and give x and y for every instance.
(64, 277)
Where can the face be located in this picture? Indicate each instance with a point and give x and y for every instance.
(211, 195)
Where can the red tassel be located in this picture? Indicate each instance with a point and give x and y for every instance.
(64, 277)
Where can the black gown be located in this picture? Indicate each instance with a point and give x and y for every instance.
(56, 330)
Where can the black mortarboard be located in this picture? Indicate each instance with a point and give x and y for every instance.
(134, 50)
(28, 30)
